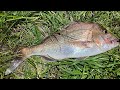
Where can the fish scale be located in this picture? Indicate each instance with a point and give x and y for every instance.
(76, 40)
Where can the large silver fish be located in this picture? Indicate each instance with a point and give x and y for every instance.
(76, 40)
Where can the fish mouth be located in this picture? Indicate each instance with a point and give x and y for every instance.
(116, 40)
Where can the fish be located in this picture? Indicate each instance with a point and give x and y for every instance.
(76, 40)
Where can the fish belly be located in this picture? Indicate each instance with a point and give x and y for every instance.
(78, 52)
(67, 51)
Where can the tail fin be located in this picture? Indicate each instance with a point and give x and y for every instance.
(13, 66)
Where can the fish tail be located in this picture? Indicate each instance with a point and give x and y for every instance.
(13, 66)
(24, 53)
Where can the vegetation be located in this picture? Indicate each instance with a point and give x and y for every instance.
(25, 28)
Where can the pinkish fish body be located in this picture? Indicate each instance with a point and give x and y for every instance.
(75, 41)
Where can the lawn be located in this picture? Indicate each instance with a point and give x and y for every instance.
(28, 28)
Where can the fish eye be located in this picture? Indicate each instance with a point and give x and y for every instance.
(118, 40)
(105, 31)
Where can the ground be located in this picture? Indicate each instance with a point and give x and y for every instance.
(25, 28)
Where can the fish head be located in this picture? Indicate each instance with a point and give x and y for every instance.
(109, 41)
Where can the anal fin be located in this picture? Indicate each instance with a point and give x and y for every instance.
(49, 59)
(81, 58)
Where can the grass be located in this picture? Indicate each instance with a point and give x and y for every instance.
(23, 28)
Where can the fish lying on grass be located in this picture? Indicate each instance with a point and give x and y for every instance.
(77, 40)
